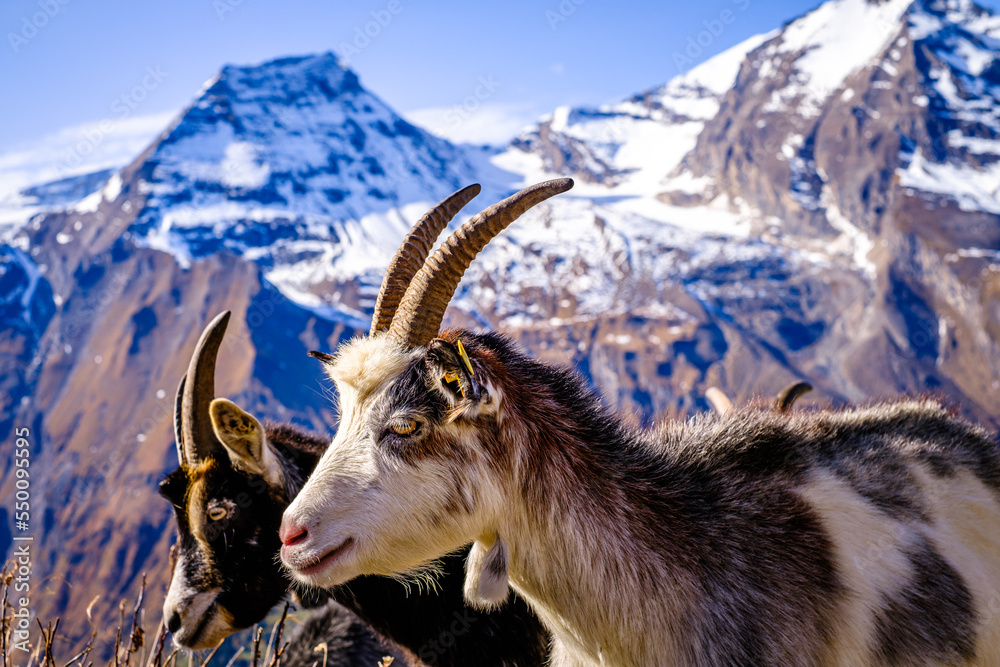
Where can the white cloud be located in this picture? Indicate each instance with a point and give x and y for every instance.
(80, 149)
(487, 123)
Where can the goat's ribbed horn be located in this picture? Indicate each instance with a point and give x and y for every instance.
(199, 391)
(720, 402)
(178, 411)
(422, 307)
(790, 394)
(413, 252)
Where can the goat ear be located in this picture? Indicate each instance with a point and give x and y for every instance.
(243, 437)
(486, 575)
(322, 356)
(452, 370)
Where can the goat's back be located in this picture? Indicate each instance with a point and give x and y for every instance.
(335, 637)
(862, 537)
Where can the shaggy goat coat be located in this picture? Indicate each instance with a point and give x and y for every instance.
(233, 563)
(867, 536)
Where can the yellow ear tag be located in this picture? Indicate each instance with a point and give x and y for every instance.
(452, 376)
(465, 357)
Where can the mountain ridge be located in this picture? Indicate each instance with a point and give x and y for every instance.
(698, 248)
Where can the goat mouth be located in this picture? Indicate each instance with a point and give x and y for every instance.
(192, 640)
(328, 558)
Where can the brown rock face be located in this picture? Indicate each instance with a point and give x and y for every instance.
(920, 320)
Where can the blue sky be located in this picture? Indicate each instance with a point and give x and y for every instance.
(423, 58)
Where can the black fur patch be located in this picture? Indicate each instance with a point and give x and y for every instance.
(411, 395)
(237, 552)
(877, 473)
(348, 640)
(292, 440)
(434, 625)
(762, 557)
(174, 487)
(931, 620)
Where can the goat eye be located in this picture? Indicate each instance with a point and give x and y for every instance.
(403, 426)
(217, 513)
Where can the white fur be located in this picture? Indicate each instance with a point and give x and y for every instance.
(360, 493)
(194, 606)
(869, 552)
(487, 582)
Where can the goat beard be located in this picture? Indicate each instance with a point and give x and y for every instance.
(422, 577)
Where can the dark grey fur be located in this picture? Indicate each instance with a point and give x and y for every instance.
(932, 619)
(349, 641)
(715, 499)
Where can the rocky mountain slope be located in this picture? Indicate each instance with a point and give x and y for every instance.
(861, 163)
(780, 212)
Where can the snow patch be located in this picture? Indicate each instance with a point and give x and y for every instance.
(833, 41)
(241, 166)
(90, 203)
(858, 243)
(114, 187)
(972, 189)
(718, 73)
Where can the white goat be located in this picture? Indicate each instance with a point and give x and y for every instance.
(861, 537)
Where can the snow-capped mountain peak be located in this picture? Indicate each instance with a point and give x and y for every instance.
(826, 46)
(288, 160)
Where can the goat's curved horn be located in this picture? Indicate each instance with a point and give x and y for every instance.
(422, 307)
(413, 252)
(178, 412)
(199, 391)
(790, 394)
(720, 402)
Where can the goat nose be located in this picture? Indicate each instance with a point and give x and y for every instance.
(292, 533)
(174, 622)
